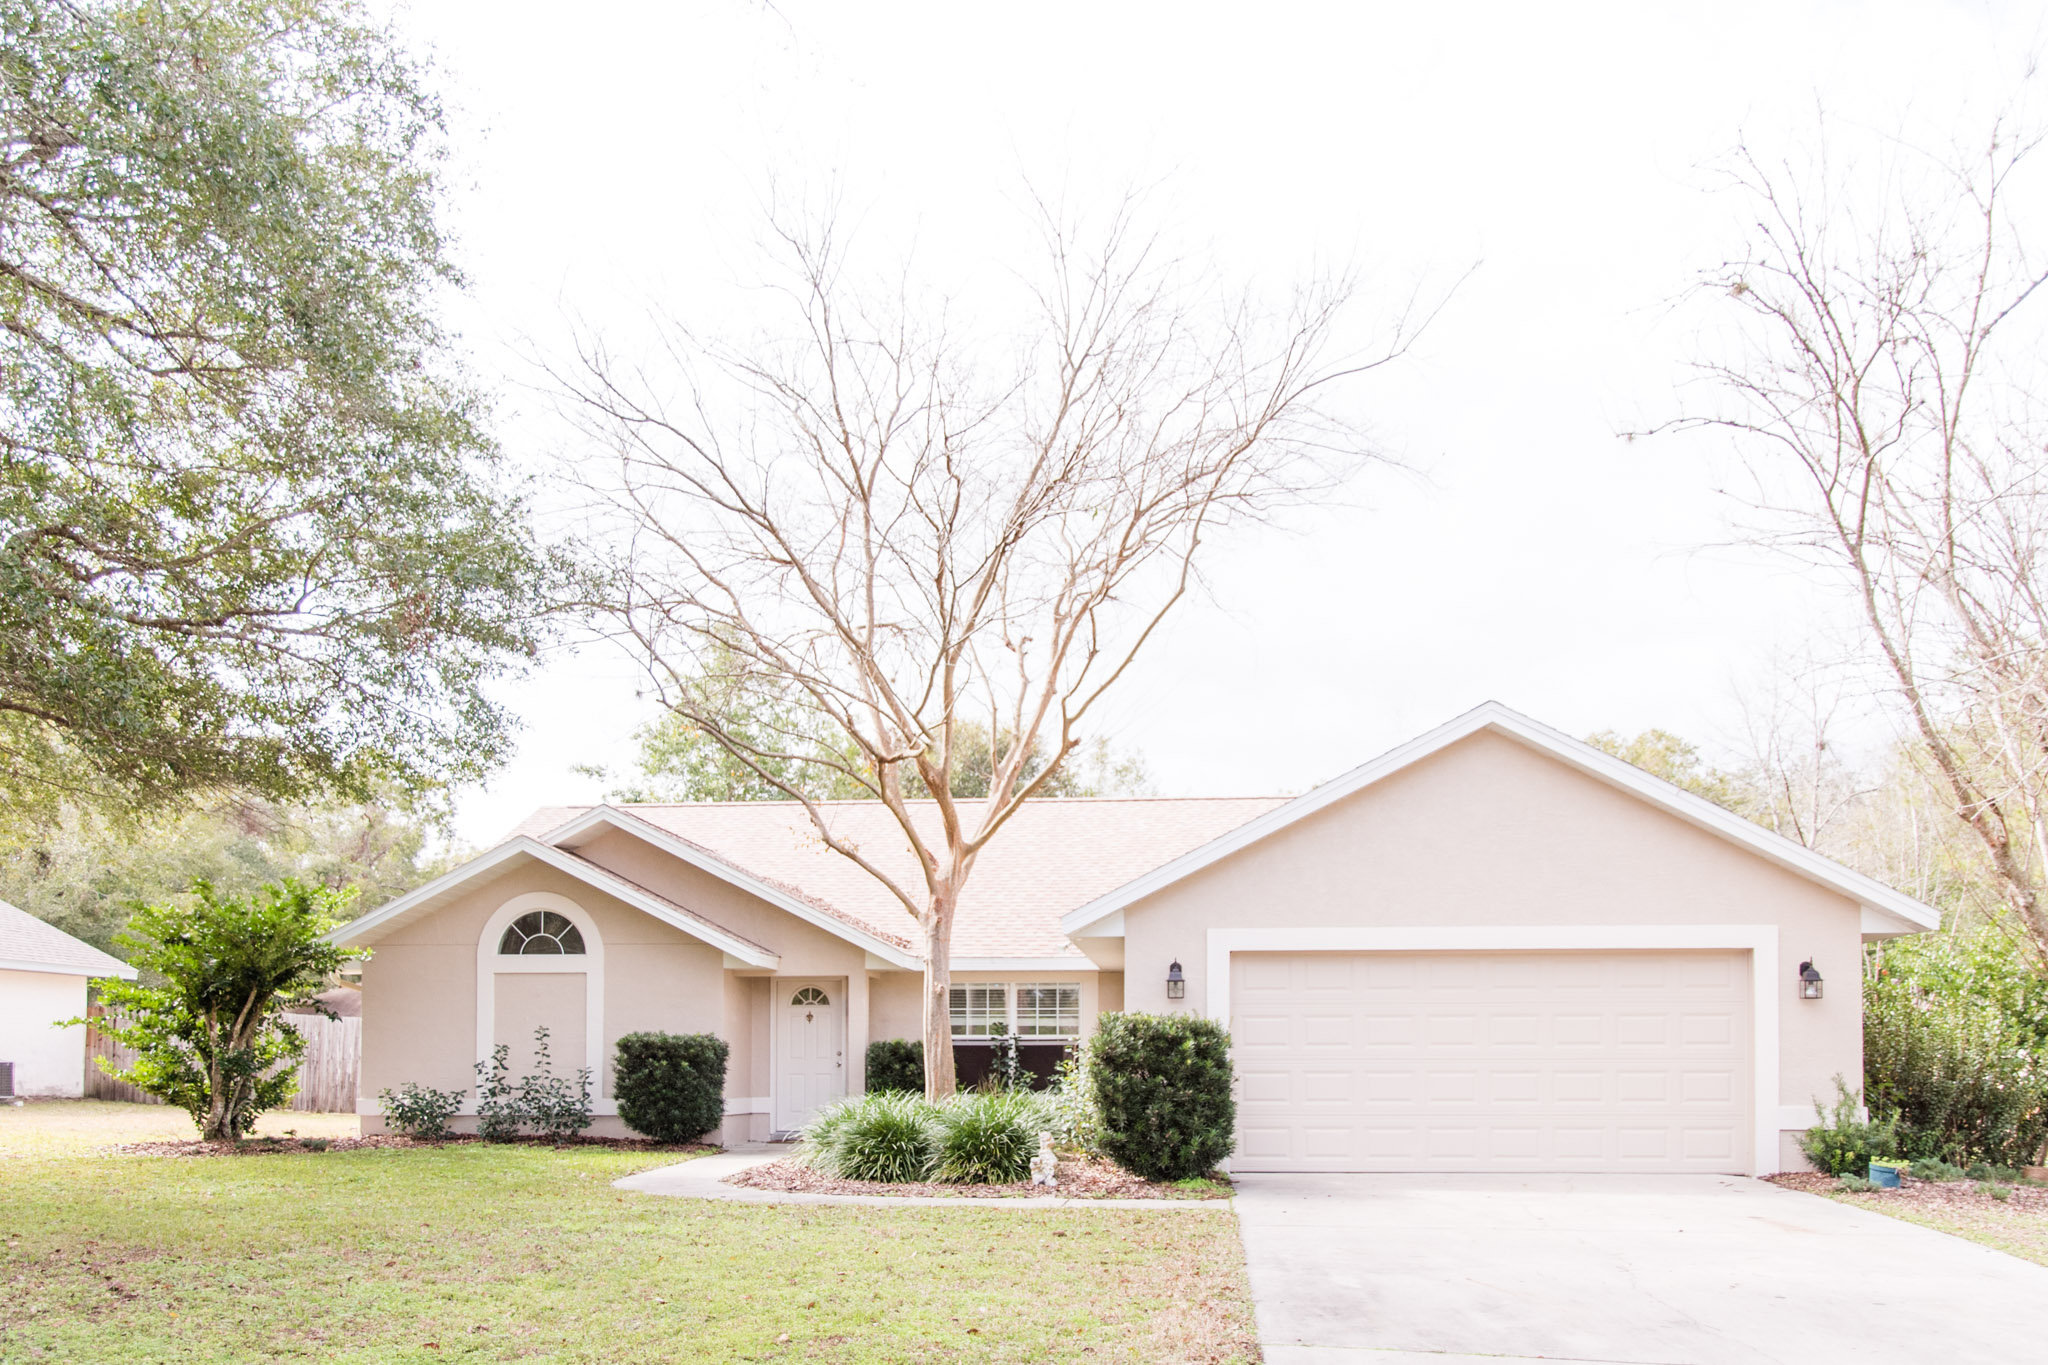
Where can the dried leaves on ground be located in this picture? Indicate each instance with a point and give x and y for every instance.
(1079, 1177)
(2015, 1222)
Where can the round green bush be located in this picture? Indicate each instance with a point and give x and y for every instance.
(671, 1086)
(896, 1064)
(889, 1136)
(1162, 1090)
(989, 1138)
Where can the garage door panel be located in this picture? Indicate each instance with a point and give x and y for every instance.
(1485, 1061)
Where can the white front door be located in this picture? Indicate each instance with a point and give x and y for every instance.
(810, 1053)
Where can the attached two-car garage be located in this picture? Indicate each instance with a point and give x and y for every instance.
(1493, 1061)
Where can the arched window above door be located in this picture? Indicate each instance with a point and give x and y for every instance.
(541, 932)
(809, 995)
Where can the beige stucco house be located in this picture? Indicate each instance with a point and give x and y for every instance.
(1492, 949)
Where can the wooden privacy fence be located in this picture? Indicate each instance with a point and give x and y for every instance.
(327, 1073)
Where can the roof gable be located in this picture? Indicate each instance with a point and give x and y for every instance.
(28, 944)
(1894, 911)
(369, 928)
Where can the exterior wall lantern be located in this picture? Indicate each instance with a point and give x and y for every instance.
(1176, 984)
(1809, 981)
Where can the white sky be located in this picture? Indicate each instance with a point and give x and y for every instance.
(611, 157)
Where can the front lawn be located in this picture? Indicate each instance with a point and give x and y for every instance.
(502, 1253)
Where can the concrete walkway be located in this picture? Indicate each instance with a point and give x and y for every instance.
(1622, 1270)
(704, 1178)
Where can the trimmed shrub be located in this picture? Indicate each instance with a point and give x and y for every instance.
(671, 1086)
(1844, 1144)
(418, 1112)
(896, 1064)
(890, 1136)
(1955, 1043)
(989, 1138)
(1163, 1087)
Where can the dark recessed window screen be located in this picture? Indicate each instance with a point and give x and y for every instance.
(542, 932)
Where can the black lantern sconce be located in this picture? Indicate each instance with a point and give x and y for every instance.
(1809, 981)
(1176, 984)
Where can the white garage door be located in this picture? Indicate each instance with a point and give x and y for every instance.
(1625, 1061)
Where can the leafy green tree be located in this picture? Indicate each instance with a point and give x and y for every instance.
(213, 1039)
(1678, 761)
(252, 535)
(87, 870)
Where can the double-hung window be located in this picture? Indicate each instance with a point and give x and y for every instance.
(1048, 1010)
(976, 1007)
(1042, 1010)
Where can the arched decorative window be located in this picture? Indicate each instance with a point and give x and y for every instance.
(541, 932)
(809, 995)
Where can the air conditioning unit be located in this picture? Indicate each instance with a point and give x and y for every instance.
(6, 1080)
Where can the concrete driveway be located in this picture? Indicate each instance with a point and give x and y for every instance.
(1649, 1270)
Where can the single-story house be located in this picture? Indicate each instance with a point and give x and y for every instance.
(43, 976)
(1493, 949)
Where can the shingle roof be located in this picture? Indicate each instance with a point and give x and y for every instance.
(28, 944)
(1052, 857)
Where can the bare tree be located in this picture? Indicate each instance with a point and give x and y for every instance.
(907, 528)
(1881, 390)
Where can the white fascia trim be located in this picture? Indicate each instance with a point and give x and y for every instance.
(583, 871)
(1493, 716)
(120, 969)
(745, 881)
(1759, 940)
(1024, 964)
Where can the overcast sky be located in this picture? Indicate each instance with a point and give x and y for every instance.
(612, 157)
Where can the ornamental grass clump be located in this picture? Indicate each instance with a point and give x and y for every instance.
(889, 1136)
(989, 1138)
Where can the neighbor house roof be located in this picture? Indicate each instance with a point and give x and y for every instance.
(1052, 855)
(27, 944)
(1885, 911)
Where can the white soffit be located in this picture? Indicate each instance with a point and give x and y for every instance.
(444, 888)
(1907, 914)
(697, 857)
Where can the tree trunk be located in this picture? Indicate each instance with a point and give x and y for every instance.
(938, 999)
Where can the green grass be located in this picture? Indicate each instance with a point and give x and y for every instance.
(505, 1253)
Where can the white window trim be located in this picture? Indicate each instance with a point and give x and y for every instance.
(490, 965)
(1760, 941)
(1009, 989)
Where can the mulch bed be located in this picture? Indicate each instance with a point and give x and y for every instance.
(1953, 1194)
(1079, 1177)
(266, 1146)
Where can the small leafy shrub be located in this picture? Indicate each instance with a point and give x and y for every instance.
(498, 1115)
(551, 1105)
(1854, 1183)
(896, 1064)
(1163, 1086)
(554, 1106)
(315, 1144)
(989, 1138)
(1843, 1144)
(889, 1136)
(671, 1086)
(1005, 1067)
(1076, 1121)
(1999, 1192)
(419, 1112)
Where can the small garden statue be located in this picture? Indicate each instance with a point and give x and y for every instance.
(1045, 1164)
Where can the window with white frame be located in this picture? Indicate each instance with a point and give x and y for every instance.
(1047, 1010)
(1032, 1010)
(976, 1007)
